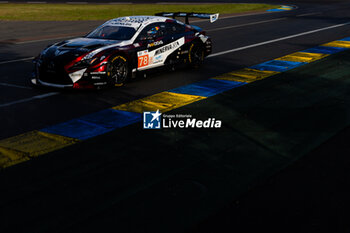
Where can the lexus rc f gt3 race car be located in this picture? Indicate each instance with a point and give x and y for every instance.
(120, 48)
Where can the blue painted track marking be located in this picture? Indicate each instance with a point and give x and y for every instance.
(104, 121)
(77, 129)
(345, 39)
(207, 88)
(94, 124)
(324, 50)
(111, 118)
(277, 65)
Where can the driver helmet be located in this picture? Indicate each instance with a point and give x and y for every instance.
(154, 30)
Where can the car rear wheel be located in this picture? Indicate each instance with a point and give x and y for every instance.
(118, 70)
(196, 55)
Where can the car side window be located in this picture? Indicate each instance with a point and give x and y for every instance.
(175, 28)
(155, 29)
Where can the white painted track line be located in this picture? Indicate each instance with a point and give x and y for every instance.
(308, 14)
(246, 24)
(235, 49)
(278, 39)
(210, 30)
(29, 99)
(48, 39)
(16, 60)
(13, 85)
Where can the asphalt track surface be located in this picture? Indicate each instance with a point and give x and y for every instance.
(24, 108)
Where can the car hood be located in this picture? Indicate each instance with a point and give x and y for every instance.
(87, 43)
(75, 47)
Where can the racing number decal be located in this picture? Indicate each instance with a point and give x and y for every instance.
(143, 60)
(157, 57)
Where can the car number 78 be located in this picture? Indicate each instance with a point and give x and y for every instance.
(143, 60)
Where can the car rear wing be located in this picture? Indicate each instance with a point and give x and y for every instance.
(186, 15)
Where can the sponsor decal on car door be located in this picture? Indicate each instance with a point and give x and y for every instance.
(149, 59)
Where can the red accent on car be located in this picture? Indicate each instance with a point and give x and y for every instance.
(83, 85)
(70, 64)
(189, 38)
(101, 68)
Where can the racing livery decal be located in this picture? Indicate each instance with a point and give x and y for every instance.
(143, 59)
(171, 47)
(156, 43)
(147, 60)
(119, 48)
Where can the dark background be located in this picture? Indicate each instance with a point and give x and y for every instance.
(311, 195)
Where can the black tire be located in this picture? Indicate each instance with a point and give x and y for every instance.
(196, 55)
(118, 70)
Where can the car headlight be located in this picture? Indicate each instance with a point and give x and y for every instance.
(86, 61)
(89, 56)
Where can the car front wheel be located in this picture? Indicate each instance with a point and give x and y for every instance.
(118, 70)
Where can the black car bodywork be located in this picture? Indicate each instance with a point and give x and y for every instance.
(113, 52)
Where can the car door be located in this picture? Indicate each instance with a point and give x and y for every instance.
(148, 45)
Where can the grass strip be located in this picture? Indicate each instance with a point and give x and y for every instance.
(65, 12)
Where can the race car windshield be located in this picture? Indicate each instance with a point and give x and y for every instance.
(112, 33)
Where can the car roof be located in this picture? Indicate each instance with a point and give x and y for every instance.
(135, 21)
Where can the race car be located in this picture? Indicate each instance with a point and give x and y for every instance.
(121, 47)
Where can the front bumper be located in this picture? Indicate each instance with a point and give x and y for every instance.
(81, 79)
(37, 82)
(81, 84)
